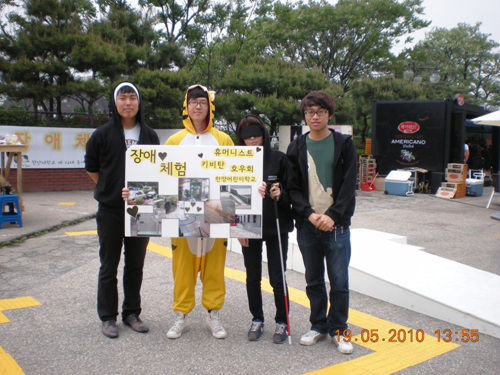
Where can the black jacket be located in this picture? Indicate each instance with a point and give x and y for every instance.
(274, 165)
(105, 154)
(344, 180)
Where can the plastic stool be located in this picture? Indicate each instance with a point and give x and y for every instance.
(13, 214)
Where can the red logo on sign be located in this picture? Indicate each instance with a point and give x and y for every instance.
(408, 127)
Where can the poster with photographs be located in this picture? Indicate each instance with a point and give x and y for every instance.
(194, 191)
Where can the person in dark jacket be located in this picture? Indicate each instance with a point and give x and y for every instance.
(252, 132)
(322, 170)
(105, 163)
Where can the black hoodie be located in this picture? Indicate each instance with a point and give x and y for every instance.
(105, 155)
(274, 165)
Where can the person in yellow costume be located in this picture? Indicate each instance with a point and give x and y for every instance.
(193, 255)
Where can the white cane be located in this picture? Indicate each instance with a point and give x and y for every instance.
(272, 179)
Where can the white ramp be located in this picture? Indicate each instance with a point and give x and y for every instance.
(383, 266)
(423, 282)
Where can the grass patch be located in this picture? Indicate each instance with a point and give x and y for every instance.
(45, 231)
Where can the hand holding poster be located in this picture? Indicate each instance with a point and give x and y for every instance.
(194, 191)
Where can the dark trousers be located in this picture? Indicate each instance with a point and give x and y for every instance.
(110, 228)
(252, 256)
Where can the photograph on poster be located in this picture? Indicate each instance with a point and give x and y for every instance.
(142, 192)
(240, 195)
(247, 226)
(194, 191)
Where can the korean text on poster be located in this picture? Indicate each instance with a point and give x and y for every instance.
(194, 191)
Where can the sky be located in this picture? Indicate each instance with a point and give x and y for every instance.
(449, 13)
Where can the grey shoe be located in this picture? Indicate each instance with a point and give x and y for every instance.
(255, 330)
(136, 323)
(180, 325)
(213, 322)
(109, 329)
(280, 334)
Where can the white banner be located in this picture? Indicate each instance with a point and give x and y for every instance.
(194, 191)
(54, 148)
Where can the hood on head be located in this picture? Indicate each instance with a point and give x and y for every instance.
(112, 100)
(188, 125)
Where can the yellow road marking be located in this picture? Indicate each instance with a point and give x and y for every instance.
(387, 357)
(66, 204)
(83, 233)
(7, 363)
(15, 303)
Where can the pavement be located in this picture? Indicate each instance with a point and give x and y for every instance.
(49, 324)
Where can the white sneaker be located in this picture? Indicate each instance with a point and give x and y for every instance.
(343, 346)
(311, 337)
(213, 322)
(180, 325)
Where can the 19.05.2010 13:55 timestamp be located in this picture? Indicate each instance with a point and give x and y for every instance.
(409, 335)
(465, 335)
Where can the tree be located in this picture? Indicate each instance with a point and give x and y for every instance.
(178, 20)
(269, 86)
(466, 59)
(35, 58)
(163, 95)
(111, 48)
(365, 90)
(345, 40)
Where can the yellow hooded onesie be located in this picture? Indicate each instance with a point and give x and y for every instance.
(204, 255)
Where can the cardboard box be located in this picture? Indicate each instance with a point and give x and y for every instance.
(462, 167)
(474, 187)
(447, 193)
(460, 188)
(397, 183)
(379, 183)
(455, 175)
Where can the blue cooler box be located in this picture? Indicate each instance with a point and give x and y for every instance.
(398, 183)
(474, 187)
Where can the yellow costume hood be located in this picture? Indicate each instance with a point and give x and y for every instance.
(188, 125)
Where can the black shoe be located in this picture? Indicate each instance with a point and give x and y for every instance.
(280, 334)
(136, 323)
(110, 329)
(255, 331)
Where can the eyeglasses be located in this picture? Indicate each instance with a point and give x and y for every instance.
(320, 113)
(195, 104)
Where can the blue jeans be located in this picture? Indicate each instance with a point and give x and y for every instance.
(317, 246)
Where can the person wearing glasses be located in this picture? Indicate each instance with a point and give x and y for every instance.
(204, 255)
(252, 132)
(321, 183)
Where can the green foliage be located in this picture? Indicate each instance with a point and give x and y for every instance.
(467, 62)
(261, 57)
(366, 90)
(15, 116)
(345, 40)
(268, 86)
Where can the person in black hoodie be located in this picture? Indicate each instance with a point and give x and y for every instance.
(322, 174)
(252, 132)
(105, 164)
